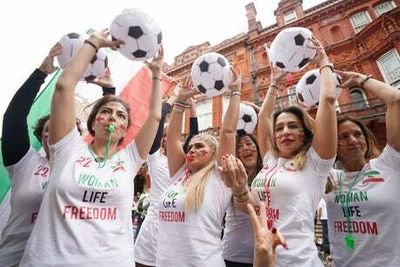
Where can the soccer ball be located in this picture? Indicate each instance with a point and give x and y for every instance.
(211, 74)
(308, 88)
(71, 43)
(289, 49)
(141, 34)
(247, 120)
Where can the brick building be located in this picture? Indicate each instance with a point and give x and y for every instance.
(358, 35)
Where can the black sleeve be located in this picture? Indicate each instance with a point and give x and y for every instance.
(165, 109)
(193, 130)
(108, 91)
(15, 138)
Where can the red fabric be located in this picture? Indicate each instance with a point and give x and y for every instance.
(137, 93)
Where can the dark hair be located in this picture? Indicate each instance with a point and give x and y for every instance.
(259, 159)
(373, 150)
(101, 102)
(39, 127)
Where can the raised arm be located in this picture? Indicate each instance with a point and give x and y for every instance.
(388, 94)
(193, 123)
(166, 108)
(15, 137)
(268, 106)
(325, 136)
(175, 153)
(227, 136)
(145, 138)
(62, 106)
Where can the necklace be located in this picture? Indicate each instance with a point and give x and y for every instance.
(349, 239)
(102, 161)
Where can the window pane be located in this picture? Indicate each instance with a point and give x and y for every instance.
(390, 64)
(358, 99)
(384, 7)
(204, 114)
(290, 16)
(360, 20)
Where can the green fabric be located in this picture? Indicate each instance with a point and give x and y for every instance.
(5, 182)
(40, 108)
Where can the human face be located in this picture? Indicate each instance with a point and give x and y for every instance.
(199, 155)
(247, 152)
(45, 138)
(289, 134)
(111, 113)
(351, 142)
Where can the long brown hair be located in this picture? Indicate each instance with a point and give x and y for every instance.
(308, 124)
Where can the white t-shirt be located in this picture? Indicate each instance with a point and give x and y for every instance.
(238, 238)
(373, 206)
(146, 241)
(322, 206)
(291, 202)
(192, 239)
(29, 178)
(5, 210)
(85, 216)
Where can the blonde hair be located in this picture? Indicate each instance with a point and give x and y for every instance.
(300, 159)
(194, 188)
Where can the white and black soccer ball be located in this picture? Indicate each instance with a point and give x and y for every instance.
(309, 86)
(289, 49)
(71, 43)
(247, 120)
(211, 74)
(140, 33)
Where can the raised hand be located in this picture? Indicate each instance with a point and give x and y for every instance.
(47, 65)
(265, 241)
(186, 91)
(320, 58)
(236, 83)
(234, 174)
(104, 80)
(157, 63)
(350, 79)
(101, 39)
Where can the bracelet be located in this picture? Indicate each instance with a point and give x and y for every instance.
(236, 93)
(87, 41)
(275, 89)
(179, 110)
(365, 79)
(156, 78)
(274, 86)
(183, 104)
(326, 66)
(242, 194)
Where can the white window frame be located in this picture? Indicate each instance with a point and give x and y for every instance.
(204, 112)
(292, 95)
(364, 97)
(384, 7)
(391, 77)
(359, 26)
(225, 104)
(290, 16)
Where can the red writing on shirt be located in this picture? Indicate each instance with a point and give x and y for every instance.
(89, 213)
(357, 227)
(172, 216)
(84, 161)
(42, 171)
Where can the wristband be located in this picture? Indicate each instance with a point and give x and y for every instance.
(87, 41)
(326, 66)
(241, 195)
(365, 79)
(156, 78)
(236, 93)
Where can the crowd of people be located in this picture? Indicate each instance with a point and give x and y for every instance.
(232, 200)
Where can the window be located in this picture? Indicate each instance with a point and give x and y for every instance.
(384, 7)
(389, 65)
(292, 95)
(290, 16)
(360, 20)
(204, 114)
(358, 98)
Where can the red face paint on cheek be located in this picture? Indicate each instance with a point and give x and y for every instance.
(100, 118)
(203, 151)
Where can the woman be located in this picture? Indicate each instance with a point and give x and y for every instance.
(363, 208)
(296, 164)
(238, 238)
(192, 209)
(28, 169)
(85, 216)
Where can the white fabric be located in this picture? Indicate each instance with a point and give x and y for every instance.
(29, 178)
(238, 241)
(322, 206)
(374, 214)
(146, 241)
(85, 216)
(192, 239)
(5, 210)
(291, 203)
